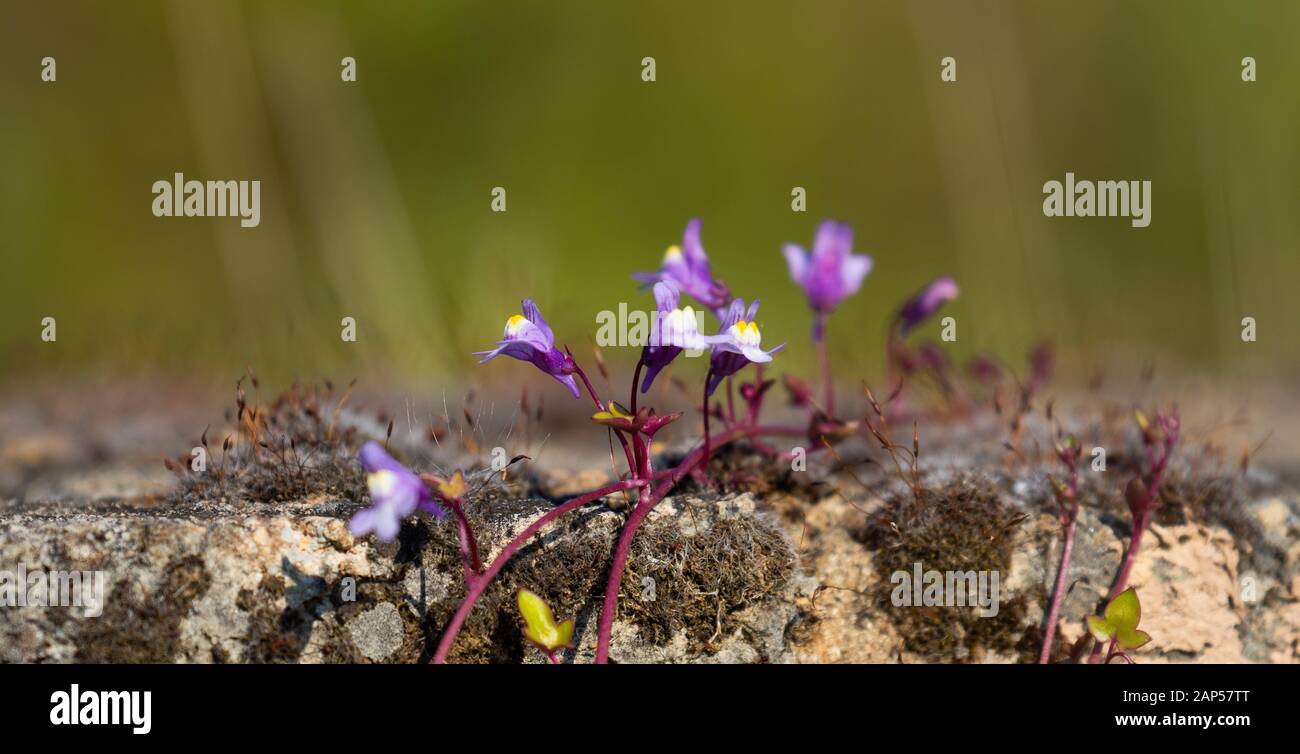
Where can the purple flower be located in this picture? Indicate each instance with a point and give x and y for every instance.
(528, 338)
(737, 344)
(673, 330)
(687, 267)
(395, 493)
(831, 273)
(924, 304)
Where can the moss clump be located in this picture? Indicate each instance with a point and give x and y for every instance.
(962, 527)
(705, 565)
(697, 583)
(293, 448)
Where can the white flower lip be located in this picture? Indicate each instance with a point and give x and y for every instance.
(381, 483)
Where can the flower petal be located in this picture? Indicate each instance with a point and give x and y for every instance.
(570, 382)
(374, 458)
(833, 240)
(667, 296)
(853, 271)
(797, 260)
(732, 315)
(387, 524)
(534, 315)
(693, 249)
(362, 523)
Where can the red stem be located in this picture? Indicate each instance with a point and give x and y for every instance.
(828, 384)
(731, 403)
(1130, 557)
(468, 545)
(480, 584)
(636, 377)
(615, 579)
(707, 377)
(1058, 595)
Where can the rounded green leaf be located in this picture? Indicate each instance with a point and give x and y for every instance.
(1132, 639)
(540, 626)
(1099, 628)
(1124, 612)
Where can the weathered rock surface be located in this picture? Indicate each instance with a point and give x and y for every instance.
(783, 568)
(709, 580)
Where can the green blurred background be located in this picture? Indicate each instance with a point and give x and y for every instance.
(375, 194)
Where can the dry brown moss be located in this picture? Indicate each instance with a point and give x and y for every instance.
(292, 448)
(701, 581)
(702, 577)
(963, 526)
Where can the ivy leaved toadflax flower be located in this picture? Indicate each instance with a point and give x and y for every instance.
(924, 304)
(738, 343)
(687, 267)
(673, 330)
(395, 493)
(830, 274)
(528, 338)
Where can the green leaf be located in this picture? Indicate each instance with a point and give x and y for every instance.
(1132, 639)
(541, 628)
(1099, 628)
(1124, 612)
(1120, 623)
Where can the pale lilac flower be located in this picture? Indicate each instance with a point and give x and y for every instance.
(687, 267)
(528, 338)
(831, 273)
(924, 304)
(395, 493)
(673, 330)
(738, 343)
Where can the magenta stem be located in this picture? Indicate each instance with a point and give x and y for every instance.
(480, 583)
(731, 403)
(1058, 594)
(756, 405)
(824, 359)
(636, 377)
(615, 580)
(708, 376)
(468, 545)
(1130, 557)
(1139, 527)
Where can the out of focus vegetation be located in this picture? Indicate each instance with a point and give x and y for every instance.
(375, 195)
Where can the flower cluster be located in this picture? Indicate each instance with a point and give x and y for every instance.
(827, 275)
